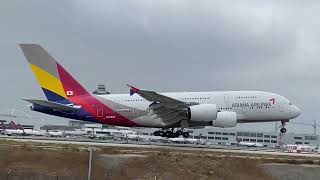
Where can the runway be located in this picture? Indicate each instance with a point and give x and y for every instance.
(176, 147)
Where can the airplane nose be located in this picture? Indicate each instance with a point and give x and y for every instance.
(296, 112)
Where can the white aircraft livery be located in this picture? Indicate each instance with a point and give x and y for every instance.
(170, 112)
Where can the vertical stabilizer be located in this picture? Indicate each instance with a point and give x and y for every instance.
(57, 84)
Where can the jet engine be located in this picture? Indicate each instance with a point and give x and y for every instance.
(225, 119)
(203, 112)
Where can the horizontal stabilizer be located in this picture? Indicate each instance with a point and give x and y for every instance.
(7, 115)
(53, 105)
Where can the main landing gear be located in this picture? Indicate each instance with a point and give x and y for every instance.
(171, 133)
(283, 129)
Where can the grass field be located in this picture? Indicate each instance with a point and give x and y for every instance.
(43, 161)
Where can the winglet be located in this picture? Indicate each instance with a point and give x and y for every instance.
(133, 90)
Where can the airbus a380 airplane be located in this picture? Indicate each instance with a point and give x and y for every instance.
(145, 108)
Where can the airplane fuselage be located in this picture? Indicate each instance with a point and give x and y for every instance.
(250, 106)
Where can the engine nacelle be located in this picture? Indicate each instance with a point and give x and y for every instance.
(225, 119)
(203, 112)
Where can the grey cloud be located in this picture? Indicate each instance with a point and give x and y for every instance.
(167, 46)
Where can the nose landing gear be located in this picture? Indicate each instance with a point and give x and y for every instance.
(283, 130)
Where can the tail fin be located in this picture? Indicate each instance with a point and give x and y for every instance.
(57, 84)
(20, 127)
(2, 126)
(12, 126)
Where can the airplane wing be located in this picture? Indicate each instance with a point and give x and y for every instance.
(170, 110)
(153, 96)
(53, 105)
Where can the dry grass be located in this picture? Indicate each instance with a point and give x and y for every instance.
(49, 163)
(36, 163)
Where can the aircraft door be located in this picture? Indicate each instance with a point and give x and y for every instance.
(281, 107)
(132, 112)
(100, 113)
(227, 100)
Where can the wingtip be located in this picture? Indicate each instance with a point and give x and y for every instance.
(28, 100)
(27, 44)
(133, 89)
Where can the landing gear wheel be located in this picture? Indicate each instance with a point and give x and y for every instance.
(283, 130)
(168, 134)
(156, 133)
(185, 134)
(176, 134)
(161, 133)
(179, 132)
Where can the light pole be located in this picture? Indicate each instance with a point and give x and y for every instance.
(90, 163)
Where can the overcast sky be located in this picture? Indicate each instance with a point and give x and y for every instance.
(171, 45)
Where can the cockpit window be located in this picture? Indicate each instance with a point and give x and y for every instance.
(290, 104)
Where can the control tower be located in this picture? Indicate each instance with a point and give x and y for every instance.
(101, 90)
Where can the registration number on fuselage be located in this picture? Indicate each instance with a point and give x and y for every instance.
(110, 117)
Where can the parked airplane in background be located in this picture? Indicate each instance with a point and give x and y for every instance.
(11, 129)
(187, 141)
(2, 128)
(101, 133)
(54, 133)
(145, 108)
(136, 137)
(248, 144)
(26, 132)
(16, 129)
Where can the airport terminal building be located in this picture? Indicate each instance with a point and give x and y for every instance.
(213, 135)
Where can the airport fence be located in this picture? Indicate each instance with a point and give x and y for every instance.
(37, 176)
